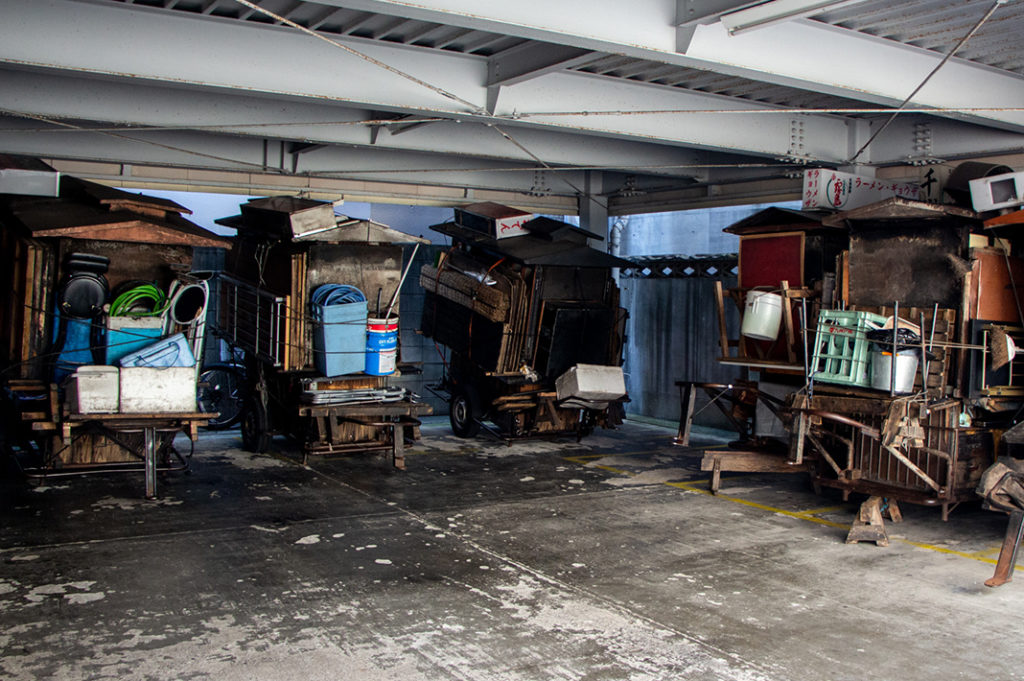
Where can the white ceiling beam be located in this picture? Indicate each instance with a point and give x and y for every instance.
(693, 12)
(775, 11)
(192, 51)
(839, 61)
(219, 152)
(107, 102)
(800, 53)
(531, 60)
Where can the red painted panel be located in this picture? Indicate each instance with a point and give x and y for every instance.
(767, 260)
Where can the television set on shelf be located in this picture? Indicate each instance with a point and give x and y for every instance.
(997, 191)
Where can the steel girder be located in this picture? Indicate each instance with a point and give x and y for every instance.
(800, 53)
(192, 51)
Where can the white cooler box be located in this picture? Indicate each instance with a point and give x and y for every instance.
(93, 389)
(591, 385)
(158, 390)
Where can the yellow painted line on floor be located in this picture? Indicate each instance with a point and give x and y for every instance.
(806, 515)
(987, 552)
(809, 515)
(691, 486)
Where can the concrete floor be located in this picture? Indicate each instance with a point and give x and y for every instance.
(603, 560)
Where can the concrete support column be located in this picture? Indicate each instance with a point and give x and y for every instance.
(593, 206)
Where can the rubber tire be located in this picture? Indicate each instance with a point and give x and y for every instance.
(220, 390)
(463, 412)
(256, 435)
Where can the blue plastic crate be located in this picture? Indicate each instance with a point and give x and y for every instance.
(339, 338)
(126, 335)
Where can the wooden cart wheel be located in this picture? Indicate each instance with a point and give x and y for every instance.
(464, 410)
(255, 426)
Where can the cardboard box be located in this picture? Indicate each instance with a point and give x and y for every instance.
(93, 390)
(158, 390)
(833, 190)
(591, 382)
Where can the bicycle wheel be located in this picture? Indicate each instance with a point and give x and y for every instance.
(220, 390)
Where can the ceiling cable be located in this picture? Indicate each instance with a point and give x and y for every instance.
(956, 48)
(376, 62)
(477, 110)
(168, 147)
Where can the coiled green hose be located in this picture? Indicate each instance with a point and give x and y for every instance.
(137, 296)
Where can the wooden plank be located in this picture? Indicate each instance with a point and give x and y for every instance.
(723, 334)
(750, 462)
(28, 295)
(787, 322)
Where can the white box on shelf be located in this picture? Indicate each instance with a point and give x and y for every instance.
(158, 390)
(93, 390)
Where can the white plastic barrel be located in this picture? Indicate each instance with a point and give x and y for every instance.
(761, 315)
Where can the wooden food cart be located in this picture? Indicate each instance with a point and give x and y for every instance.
(521, 302)
(917, 430)
(57, 251)
(286, 249)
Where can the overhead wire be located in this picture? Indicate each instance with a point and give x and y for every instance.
(168, 147)
(956, 48)
(490, 117)
(474, 108)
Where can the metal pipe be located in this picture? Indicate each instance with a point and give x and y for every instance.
(394, 296)
(803, 332)
(924, 361)
(892, 362)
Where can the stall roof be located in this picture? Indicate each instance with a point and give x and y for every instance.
(27, 175)
(898, 209)
(300, 219)
(86, 210)
(548, 247)
(778, 220)
(1014, 219)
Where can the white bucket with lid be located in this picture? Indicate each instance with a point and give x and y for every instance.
(762, 315)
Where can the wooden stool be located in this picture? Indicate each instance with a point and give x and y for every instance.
(869, 526)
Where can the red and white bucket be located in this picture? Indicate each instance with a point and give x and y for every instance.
(381, 345)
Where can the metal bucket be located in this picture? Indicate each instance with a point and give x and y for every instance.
(906, 370)
(381, 345)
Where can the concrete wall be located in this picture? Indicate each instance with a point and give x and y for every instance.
(414, 347)
(673, 326)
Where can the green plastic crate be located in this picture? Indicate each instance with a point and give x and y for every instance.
(841, 348)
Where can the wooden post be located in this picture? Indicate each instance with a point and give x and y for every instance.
(723, 334)
(687, 396)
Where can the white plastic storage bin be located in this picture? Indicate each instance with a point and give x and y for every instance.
(158, 390)
(592, 382)
(93, 390)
